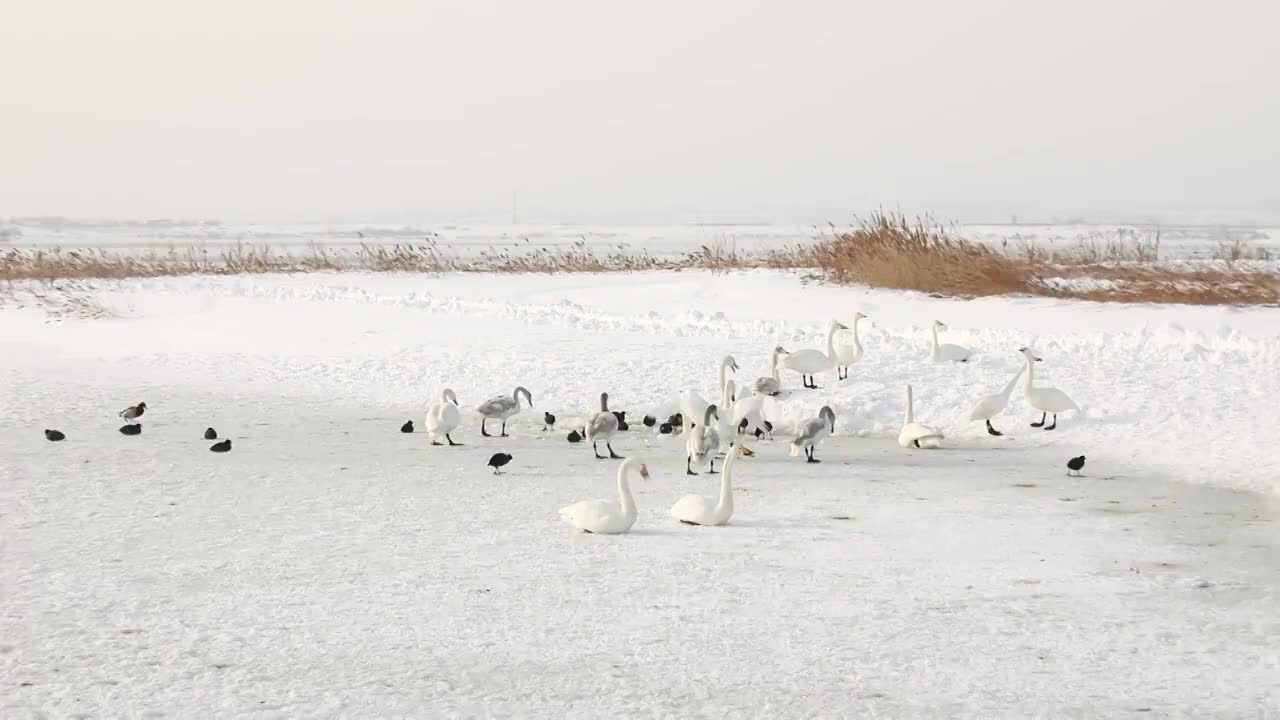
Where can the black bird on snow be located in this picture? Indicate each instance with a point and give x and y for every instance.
(133, 412)
(665, 428)
(649, 421)
(407, 427)
(497, 461)
(622, 420)
(224, 446)
(210, 434)
(1075, 463)
(54, 435)
(676, 421)
(575, 436)
(131, 429)
(548, 421)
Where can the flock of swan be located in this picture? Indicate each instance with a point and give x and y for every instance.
(707, 426)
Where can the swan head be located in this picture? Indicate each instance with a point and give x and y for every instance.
(604, 402)
(1030, 355)
(859, 316)
(731, 363)
(939, 324)
(450, 396)
(826, 413)
(839, 325)
(712, 412)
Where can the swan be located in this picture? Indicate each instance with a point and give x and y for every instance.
(747, 413)
(443, 418)
(811, 432)
(693, 406)
(847, 355)
(917, 435)
(605, 517)
(703, 442)
(992, 405)
(810, 361)
(502, 407)
(602, 426)
(1045, 399)
(947, 352)
(771, 384)
(701, 510)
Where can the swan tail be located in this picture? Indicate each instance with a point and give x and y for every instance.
(795, 449)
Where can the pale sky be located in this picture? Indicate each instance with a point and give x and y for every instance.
(307, 110)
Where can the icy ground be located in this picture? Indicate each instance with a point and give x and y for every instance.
(331, 565)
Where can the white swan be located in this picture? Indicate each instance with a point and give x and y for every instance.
(947, 352)
(809, 361)
(772, 383)
(992, 405)
(605, 517)
(703, 442)
(443, 418)
(747, 415)
(602, 426)
(1045, 399)
(693, 405)
(917, 435)
(811, 432)
(502, 407)
(847, 355)
(701, 510)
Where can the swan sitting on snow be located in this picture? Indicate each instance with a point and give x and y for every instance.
(809, 361)
(701, 510)
(947, 352)
(703, 442)
(992, 405)
(811, 432)
(849, 354)
(772, 383)
(443, 418)
(1045, 399)
(602, 426)
(502, 407)
(917, 435)
(605, 517)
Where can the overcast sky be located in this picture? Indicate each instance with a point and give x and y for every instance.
(271, 110)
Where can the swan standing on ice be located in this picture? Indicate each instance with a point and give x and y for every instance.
(692, 405)
(703, 442)
(1045, 399)
(917, 435)
(443, 418)
(602, 426)
(746, 413)
(701, 510)
(992, 405)
(813, 431)
(848, 355)
(501, 408)
(602, 516)
(947, 352)
(771, 384)
(809, 361)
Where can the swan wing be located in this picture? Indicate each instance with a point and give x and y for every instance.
(442, 418)
(765, 386)
(918, 432)
(954, 353)
(602, 424)
(496, 405)
(694, 508)
(807, 361)
(594, 515)
(989, 406)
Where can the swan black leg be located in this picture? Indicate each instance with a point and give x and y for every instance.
(991, 430)
(1042, 419)
(1055, 423)
(711, 469)
(597, 452)
(811, 451)
(612, 454)
(504, 429)
(451, 442)
(484, 432)
(433, 442)
(687, 463)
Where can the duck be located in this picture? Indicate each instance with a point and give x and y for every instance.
(54, 435)
(497, 460)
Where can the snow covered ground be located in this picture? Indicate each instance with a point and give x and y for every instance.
(331, 565)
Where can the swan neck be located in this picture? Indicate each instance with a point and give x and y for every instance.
(831, 341)
(1031, 373)
(856, 342)
(1008, 389)
(725, 505)
(624, 489)
(910, 411)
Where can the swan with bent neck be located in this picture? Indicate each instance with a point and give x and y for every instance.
(502, 407)
(443, 418)
(604, 517)
(994, 404)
